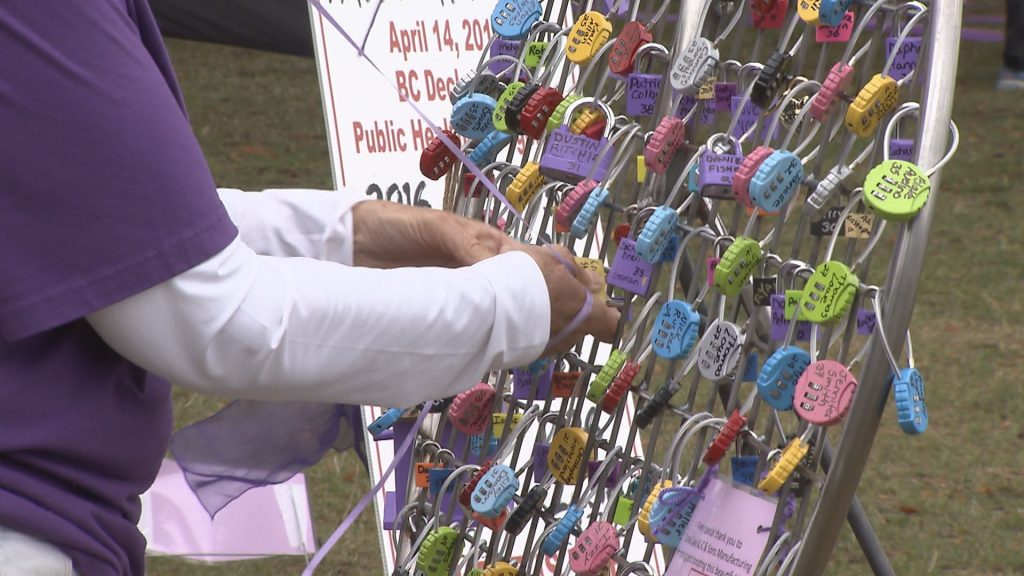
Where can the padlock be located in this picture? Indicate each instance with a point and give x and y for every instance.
(513, 19)
(629, 271)
(585, 120)
(718, 352)
(878, 97)
(717, 169)
(573, 202)
(487, 150)
(466, 495)
(896, 190)
(435, 553)
(472, 115)
(643, 521)
(596, 267)
(769, 14)
(632, 36)
(557, 537)
(831, 12)
(770, 80)
(523, 513)
(668, 137)
(620, 385)
(829, 293)
(572, 157)
(498, 423)
(726, 436)
(671, 513)
(524, 186)
(385, 421)
(642, 85)
(594, 548)
(486, 83)
(534, 118)
(495, 491)
(612, 366)
(516, 105)
(586, 37)
(470, 411)
(566, 454)
(502, 47)
(777, 381)
(834, 181)
(437, 159)
(646, 414)
(656, 233)
(824, 393)
(558, 115)
(501, 568)
(623, 509)
(794, 452)
(694, 66)
(809, 11)
(832, 90)
(737, 265)
(534, 52)
(675, 330)
(908, 391)
(587, 215)
(745, 173)
(776, 181)
(499, 117)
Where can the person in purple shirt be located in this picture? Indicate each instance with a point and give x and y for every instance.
(122, 267)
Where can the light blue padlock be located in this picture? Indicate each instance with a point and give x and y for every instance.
(560, 533)
(777, 381)
(908, 390)
(776, 180)
(671, 514)
(384, 421)
(487, 150)
(471, 116)
(656, 234)
(513, 19)
(675, 330)
(494, 491)
(588, 213)
(831, 12)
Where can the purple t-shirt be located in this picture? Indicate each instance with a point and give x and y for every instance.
(104, 192)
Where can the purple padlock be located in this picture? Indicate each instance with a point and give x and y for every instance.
(523, 382)
(724, 93)
(629, 271)
(502, 47)
(901, 149)
(540, 460)
(906, 56)
(570, 157)
(642, 93)
(716, 170)
(747, 117)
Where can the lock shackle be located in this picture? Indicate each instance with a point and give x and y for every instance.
(914, 109)
(662, 8)
(876, 303)
(856, 197)
(773, 555)
(556, 45)
(704, 231)
(630, 340)
(436, 519)
(588, 69)
(642, 568)
(514, 63)
(784, 568)
(805, 85)
(678, 446)
(725, 66)
(859, 29)
(594, 483)
(528, 417)
(682, 181)
(530, 219)
(623, 153)
(690, 423)
(655, 49)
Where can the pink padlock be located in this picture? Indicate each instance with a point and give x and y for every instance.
(745, 173)
(824, 393)
(572, 203)
(668, 137)
(470, 411)
(832, 89)
(594, 549)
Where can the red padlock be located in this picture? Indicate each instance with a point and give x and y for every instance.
(726, 436)
(620, 385)
(466, 496)
(437, 159)
(533, 120)
(623, 56)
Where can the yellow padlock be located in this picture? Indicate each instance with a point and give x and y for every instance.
(597, 267)
(525, 186)
(585, 119)
(498, 422)
(878, 97)
(809, 11)
(794, 452)
(643, 520)
(566, 454)
(501, 569)
(588, 34)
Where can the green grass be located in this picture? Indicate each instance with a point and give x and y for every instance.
(949, 502)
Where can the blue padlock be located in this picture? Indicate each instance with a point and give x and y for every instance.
(777, 381)
(436, 478)
(588, 214)
(675, 330)
(656, 234)
(471, 116)
(494, 491)
(776, 180)
(671, 514)
(831, 12)
(744, 469)
(385, 421)
(513, 19)
(560, 533)
(476, 442)
(487, 150)
(908, 390)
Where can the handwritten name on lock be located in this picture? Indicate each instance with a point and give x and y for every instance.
(642, 93)
(569, 156)
(906, 56)
(629, 271)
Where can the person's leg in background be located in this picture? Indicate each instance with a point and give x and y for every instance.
(1011, 77)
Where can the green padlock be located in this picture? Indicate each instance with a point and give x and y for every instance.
(556, 117)
(736, 266)
(604, 378)
(896, 190)
(829, 293)
(534, 51)
(498, 117)
(435, 554)
(623, 508)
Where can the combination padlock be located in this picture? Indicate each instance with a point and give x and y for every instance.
(776, 383)
(656, 234)
(718, 352)
(437, 159)
(566, 455)
(470, 411)
(791, 456)
(616, 360)
(671, 514)
(486, 83)
(725, 437)
(831, 12)
(745, 173)
(658, 402)
(586, 37)
(524, 186)
(573, 202)
(594, 548)
(435, 553)
(896, 190)
(487, 150)
(809, 11)
(832, 90)
(908, 391)
(495, 491)
(620, 385)
(834, 181)
(385, 421)
(878, 97)
(829, 293)
(824, 393)
(533, 120)
(769, 14)
(668, 137)
(513, 19)
(523, 513)
(501, 568)
(776, 181)
(694, 66)
(558, 536)
(737, 265)
(500, 116)
(558, 116)
(643, 521)
(516, 105)
(770, 80)
(472, 115)
(623, 51)
(675, 330)
(466, 495)
(588, 214)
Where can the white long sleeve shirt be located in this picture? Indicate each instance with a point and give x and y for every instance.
(280, 314)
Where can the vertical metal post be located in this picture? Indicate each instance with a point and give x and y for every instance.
(940, 65)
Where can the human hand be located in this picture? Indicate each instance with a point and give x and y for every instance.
(567, 289)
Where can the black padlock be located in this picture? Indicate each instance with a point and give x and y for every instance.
(771, 79)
